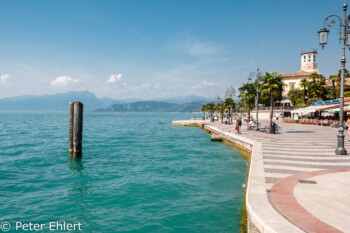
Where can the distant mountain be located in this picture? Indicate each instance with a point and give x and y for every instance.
(155, 106)
(184, 99)
(59, 102)
(109, 101)
(55, 102)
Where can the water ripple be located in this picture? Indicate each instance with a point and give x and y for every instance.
(138, 174)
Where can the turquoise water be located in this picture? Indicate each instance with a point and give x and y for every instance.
(138, 174)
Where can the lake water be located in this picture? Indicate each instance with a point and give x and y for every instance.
(138, 174)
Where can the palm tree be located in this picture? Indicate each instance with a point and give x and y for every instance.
(304, 83)
(229, 103)
(316, 87)
(314, 77)
(333, 78)
(240, 106)
(204, 109)
(248, 93)
(272, 88)
(211, 109)
(220, 107)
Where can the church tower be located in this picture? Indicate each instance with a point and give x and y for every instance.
(308, 61)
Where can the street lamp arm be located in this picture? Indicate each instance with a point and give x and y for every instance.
(255, 75)
(325, 22)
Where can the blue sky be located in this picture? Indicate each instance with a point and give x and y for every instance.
(149, 49)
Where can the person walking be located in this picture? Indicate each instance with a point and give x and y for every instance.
(238, 124)
(348, 124)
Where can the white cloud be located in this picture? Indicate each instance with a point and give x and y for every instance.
(157, 86)
(197, 86)
(203, 85)
(62, 81)
(144, 86)
(194, 47)
(4, 78)
(210, 84)
(113, 78)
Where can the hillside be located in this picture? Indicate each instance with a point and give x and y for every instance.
(60, 102)
(155, 106)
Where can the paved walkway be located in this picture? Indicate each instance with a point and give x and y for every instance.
(301, 178)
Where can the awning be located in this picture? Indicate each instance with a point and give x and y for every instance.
(310, 109)
(337, 110)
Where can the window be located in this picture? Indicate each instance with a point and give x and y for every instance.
(304, 58)
(292, 86)
(314, 58)
(309, 58)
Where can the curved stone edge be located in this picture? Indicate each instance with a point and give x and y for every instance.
(260, 211)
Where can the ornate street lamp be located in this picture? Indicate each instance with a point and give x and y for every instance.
(323, 36)
(344, 36)
(257, 76)
(230, 93)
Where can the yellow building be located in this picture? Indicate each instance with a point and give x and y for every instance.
(292, 80)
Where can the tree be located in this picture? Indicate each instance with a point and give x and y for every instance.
(229, 103)
(240, 106)
(304, 83)
(204, 109)
(248, 93)
(211, 109)
(314, 77)
(316, 87)
(272, 88)
(333, 78)
(295, 94)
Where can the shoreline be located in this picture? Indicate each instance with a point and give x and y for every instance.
(244, 151)
(290, 175)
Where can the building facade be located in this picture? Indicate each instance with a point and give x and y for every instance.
(292, 80)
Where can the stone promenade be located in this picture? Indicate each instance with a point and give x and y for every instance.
(296, 182)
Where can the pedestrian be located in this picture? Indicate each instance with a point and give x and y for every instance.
(251, 124)
(348, 124)
(240, 124)
(237, 125)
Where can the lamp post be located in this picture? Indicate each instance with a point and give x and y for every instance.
(344, 36)
(257, 75)
(230, 93)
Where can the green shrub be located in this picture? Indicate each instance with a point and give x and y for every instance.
(347, 94)
(299, 101)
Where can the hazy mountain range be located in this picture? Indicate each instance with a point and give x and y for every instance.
(156, 106)
(60, 102)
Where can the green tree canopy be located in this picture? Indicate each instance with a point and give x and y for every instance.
(272, 88)
(248, 93)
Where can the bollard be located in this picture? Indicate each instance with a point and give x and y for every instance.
(77, 129)
(71, 115)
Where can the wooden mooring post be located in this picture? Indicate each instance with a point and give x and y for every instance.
(75, 129)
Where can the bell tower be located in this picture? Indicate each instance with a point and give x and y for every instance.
(309, 61)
